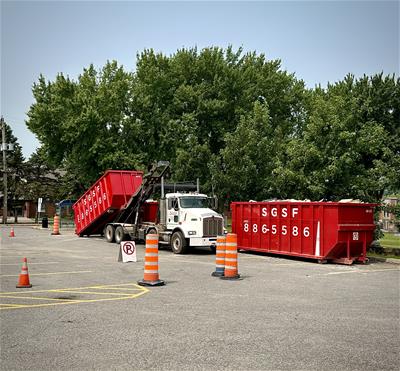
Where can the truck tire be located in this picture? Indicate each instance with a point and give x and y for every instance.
(151, 231)
(109, 233)
(178, 243)
(119, 234)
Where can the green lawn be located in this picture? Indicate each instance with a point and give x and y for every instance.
(390, 241)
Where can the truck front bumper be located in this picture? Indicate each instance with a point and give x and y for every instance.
(203, 241)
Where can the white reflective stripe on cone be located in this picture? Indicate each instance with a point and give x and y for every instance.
(151, 263)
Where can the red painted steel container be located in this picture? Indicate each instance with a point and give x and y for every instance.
(150, 211)
(104, 199)
(320, 230)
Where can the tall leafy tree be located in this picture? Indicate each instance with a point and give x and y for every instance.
(15, 164)
(350, 147)
(236, 120)
(42, 179)
(81, 123)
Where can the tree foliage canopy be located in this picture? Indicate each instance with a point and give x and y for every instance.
(237, 121)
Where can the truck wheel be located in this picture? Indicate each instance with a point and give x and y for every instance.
(178, 243)
(151, 231)
(109, 233)
(213, 249)
(119, 234)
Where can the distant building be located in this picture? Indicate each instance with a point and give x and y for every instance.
(388, 220)
(27, 208)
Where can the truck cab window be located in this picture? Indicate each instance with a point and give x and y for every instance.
(172, 203)
(194, 202)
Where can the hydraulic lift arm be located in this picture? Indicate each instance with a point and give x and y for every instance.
(157, 171)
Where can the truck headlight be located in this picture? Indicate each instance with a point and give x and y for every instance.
(191, 233)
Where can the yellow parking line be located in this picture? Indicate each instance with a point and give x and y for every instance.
(45, 274)
(92, 293)
(32, 297)
(64, 302)
(117, 288)
(117, 285)
(119, 296)
(73, 288)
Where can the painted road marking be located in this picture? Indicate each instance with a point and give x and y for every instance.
(100, 290)
(45, 274)
(366, 271)
(30, 263)
(22, 254)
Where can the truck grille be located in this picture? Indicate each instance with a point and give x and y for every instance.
(212, 227)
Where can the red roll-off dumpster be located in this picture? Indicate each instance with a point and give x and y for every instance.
(150, 211)
(336, 231)
(104, 199)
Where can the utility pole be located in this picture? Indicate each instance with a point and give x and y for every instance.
(4, 145)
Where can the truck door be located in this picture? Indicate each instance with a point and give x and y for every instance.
(172, 213)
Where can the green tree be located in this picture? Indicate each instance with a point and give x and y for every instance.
(41, 178)
(235, 120)
(15, 169)
(349, 147)
(81, 124)
(185, 104)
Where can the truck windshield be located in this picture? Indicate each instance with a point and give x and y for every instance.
(194, 202)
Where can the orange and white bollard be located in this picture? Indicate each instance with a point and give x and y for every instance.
(151, 276)
(23, 282)
(231, 258)
(12, 234)
(56, 225)
(220, 257)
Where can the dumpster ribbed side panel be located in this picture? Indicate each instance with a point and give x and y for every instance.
(103, 200)
(308, 229)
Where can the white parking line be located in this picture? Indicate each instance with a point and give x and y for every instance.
(30, 263)
(46, 274)
(365, 271)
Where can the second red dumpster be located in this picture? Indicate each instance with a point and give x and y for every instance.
(104, 199)
(336, 231)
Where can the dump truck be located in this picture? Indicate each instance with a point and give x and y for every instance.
(118, 206)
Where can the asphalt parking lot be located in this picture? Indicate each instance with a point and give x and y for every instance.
(85, 311)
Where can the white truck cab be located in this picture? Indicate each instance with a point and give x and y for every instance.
(190, 221)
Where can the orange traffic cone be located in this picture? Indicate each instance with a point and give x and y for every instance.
(56, 225)
(151, 277)
(220, 257)
(231, 258)
(24, 276)
(12, 234)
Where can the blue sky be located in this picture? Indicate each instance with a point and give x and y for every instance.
(319, 41)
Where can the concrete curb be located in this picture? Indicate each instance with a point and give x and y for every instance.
(393, 261)
(384, 260)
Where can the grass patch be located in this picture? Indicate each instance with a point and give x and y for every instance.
(390, 241)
